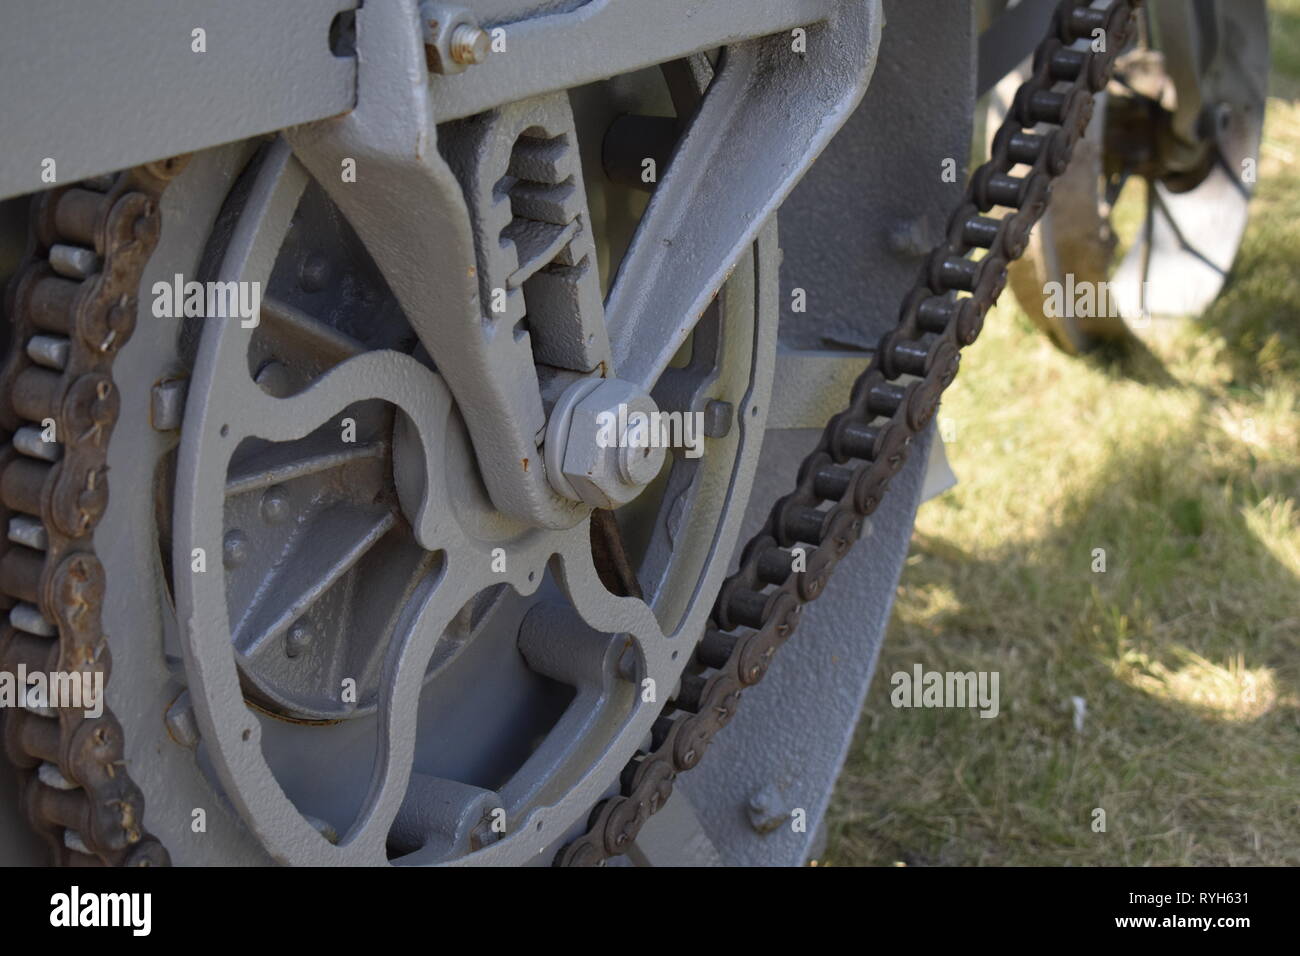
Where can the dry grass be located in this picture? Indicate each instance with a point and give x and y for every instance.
(1184, 465)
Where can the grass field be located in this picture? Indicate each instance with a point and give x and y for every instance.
(1184, 465)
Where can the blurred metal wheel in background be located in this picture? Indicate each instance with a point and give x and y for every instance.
(1155, 201)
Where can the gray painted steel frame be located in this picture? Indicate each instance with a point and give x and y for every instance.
(101, 86)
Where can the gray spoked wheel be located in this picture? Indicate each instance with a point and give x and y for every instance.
(1184, 115)
(379, 680)
(414, 617)
(362, 658)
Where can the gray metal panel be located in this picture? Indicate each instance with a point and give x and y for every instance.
(793, 731)
(105, 85)
(811, 386)
(674, 837)
(1010, 39)
(855, 229)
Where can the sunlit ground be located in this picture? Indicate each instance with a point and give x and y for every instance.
(1184, 466)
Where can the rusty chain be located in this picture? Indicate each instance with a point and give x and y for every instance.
(843, 479)
(72, 305)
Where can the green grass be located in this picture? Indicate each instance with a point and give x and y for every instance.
(1184, 465)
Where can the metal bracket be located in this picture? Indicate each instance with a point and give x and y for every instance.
(768, 113)
(523, 185)
(603, 38)
(407, 205)
(726, 179)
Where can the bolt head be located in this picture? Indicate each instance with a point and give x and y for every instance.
(638, 464)
(766, 810)
(610, 453)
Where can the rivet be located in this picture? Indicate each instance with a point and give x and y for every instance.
(296, 641)
(234, 549)
(275, 505)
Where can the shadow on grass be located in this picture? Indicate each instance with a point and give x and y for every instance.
(1256, 314)
(1193, 617)
(1132, 360)
(1186, 774)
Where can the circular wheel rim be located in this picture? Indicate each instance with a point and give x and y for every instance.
(1188, 237)
(219, 704)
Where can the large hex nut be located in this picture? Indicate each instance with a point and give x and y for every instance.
(605, 459)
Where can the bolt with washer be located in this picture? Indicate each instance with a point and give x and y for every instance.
(593, 451)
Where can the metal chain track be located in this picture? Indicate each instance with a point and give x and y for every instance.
(72, 305)
(843, 479)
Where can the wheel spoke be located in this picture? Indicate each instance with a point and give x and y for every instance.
(388, 376)
(1165, 210)
(389, 581)
(330, 546)
(699, 221)
(1171, 274)
(1145, 252)
(318, 337)
(557, 642)
(438, 819)
(1114, 186)
(277, 463)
